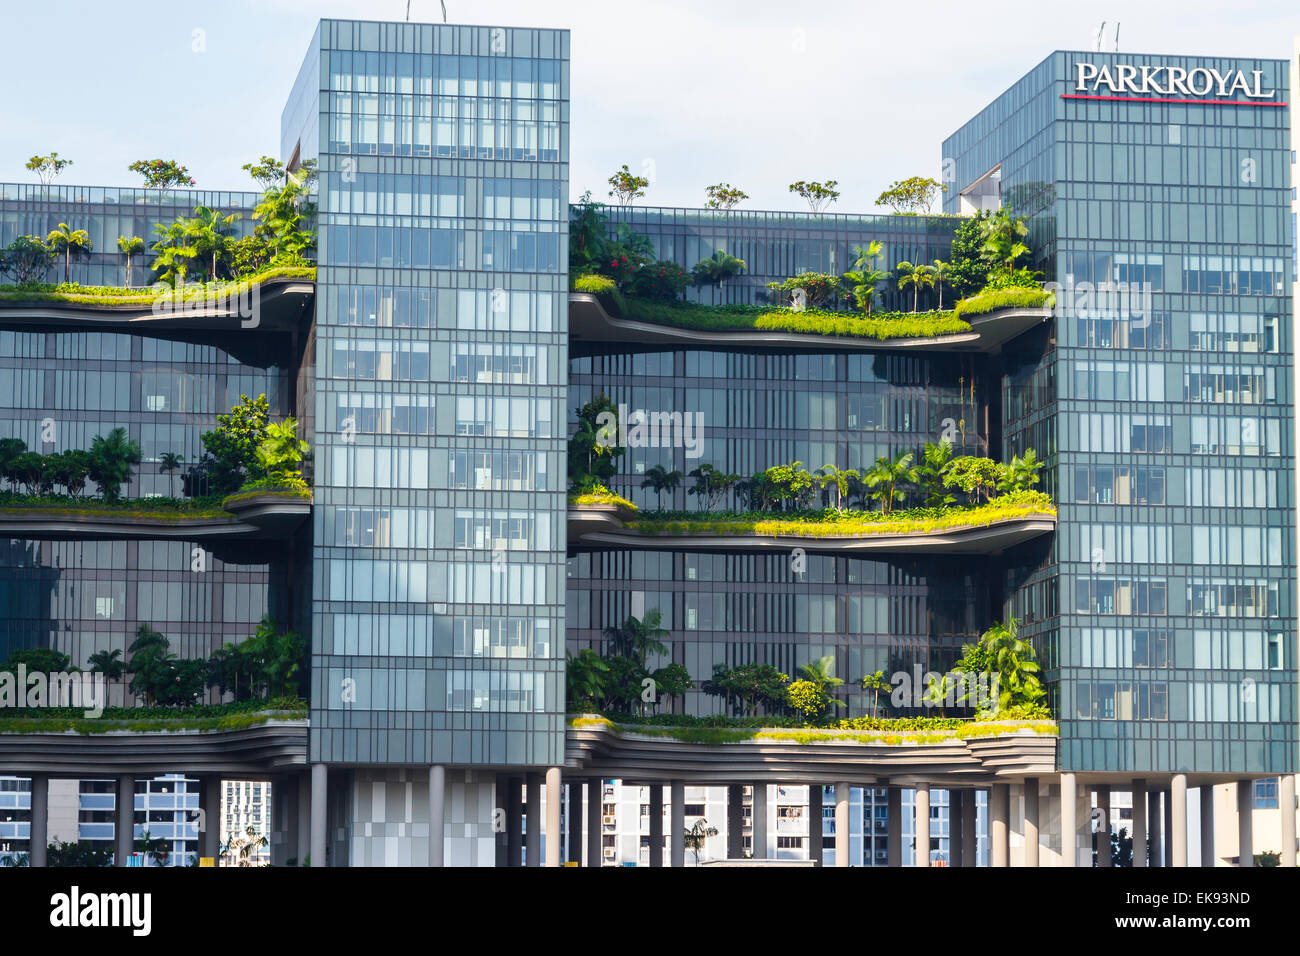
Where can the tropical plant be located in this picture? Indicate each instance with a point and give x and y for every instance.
(593, 447)
(588, 228)
(627, 186)
(660, 479)
(876, 683)
(750, 685)
(266, 172)
(911, 195)
(808, 700)
(817, 195)
(66, 241)
(940, 274)
(936, 459)
(240, 847)
(108, 663)
(158, 675)
(161, 173)
(817, 290)
(157, 849)
(967, 271)
(864, 277)
(669, 681)
(1003, 236)
(1021, 474)
(887, 478)
(838, 478)
(717, 269)
(48, 168)
(10, 449)
(281, 451)
(661, 281)
(173, 251)
(1011, 661)
(233, 444)
(209, 233)
(129, 246)
(788, 483)
(283, 212)
(695, 836)
(26, 260)
(638, 638)
(711, 485)
(585, 678)
(723, 196)
(29, 470)
(168, 463)
(113, 458)
(917, 277)
(978, 477)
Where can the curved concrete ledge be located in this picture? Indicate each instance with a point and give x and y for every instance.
(593, 531)
(272, 747)
(590, 320)
(274, 523)
(630, 753)
(282, 303)
(276, 514)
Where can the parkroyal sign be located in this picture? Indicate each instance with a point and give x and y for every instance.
(1171, 84)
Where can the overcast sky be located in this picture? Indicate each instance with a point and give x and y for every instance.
(755, 93)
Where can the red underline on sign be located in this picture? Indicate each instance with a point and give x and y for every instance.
(1149, 99)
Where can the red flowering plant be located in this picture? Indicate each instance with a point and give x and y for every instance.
(662, 281)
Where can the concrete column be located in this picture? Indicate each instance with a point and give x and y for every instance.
(969, 830)
(319, 781)
(211, 818)
(1069, 820)
(1167, 819)
(595, 800)
(1208, 856)
(1286, 802)
(1139, 823)
(758, 818)
(554, 786)
(921, 824)
(533, 824)
(999, 831)
(1156, 826)
(1031, 821)
(842, 791)
(735, 821)
(657, 824)
(677, 823)
(1103, 826)
(302, 846)
(437, 816)
(1245, 828)
(895, 822)
(956, 820)
(124, 820)
(574, 790)
(1177, 814)
(514, 821)
(815, 822)
(40, 829)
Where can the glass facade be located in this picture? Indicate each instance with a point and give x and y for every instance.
(438, 367)
(1165, 608)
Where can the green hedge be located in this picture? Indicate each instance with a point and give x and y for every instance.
(163, 509)
(233, 716)
(75, 294)
(601, 498)
(987, 302)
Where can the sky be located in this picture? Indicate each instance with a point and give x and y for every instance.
(755, 93)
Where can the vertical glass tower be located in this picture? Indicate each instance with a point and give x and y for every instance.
(1165, 609)
(439, 368)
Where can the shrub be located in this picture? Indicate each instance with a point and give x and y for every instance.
(1010, 298)
(661, 281)
(597, 285)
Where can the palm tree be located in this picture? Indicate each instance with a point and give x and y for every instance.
(174, 251)
(840, 479)
(822, 673)
(1022, 473)
(876, 682)
(108, 663)
(936, 460)
(67, 240)
(129, 246)
(281, 452)
(941, 270)
(209, 233)
(1012, 660)
(717, 268)
(887, 475)
(1002, 240)
(639, 638)
(865, 277)
(917, 277)
(240, 846)
(694, 837)
(168, 462)
(585, 677)
(660, 480)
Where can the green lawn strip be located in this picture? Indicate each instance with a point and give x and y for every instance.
(134, 509)
(123, 296)
(968, 730)
(849, 525)
(1004, 299)
(152, 719)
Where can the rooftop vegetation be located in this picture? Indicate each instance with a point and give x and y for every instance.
(600, 495)
(76, 294)
(236, 715)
